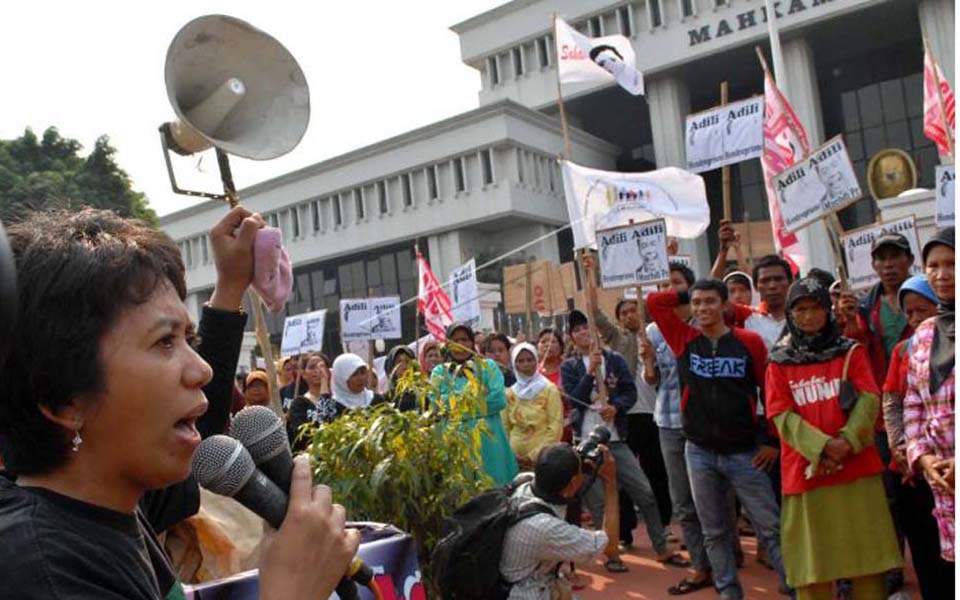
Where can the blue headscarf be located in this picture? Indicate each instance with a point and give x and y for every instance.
(919, 285)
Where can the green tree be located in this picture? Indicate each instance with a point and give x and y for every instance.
(49, 172)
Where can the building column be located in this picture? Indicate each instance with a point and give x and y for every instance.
(803, 93)
(669, 101)
(445, 253)
(937, 24)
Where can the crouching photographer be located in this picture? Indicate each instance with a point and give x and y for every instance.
(535, 547)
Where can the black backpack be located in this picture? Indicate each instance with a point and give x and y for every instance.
(466, 561)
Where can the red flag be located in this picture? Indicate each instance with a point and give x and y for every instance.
(433, 301)
(784, 143)
(933, 119)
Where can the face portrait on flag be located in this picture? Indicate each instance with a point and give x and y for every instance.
(609, 58)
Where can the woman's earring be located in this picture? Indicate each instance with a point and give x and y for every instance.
(77, 440)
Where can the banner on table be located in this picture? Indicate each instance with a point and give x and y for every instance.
(465, 294)
(946, 196)
(725, 135)
(602, 59)
(605, 199)
(858, 243)
(303, 333)
(634, 255)
(363, 319)
(822, 183)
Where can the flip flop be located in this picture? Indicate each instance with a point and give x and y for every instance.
(688, 587)
(615, 565)
(675, 561)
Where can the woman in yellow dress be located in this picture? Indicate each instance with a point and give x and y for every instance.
(533, 417)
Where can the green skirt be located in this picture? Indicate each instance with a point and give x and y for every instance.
(838, 532)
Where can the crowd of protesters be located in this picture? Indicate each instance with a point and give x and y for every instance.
(825, 418)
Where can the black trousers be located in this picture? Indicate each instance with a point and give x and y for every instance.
(643, 438)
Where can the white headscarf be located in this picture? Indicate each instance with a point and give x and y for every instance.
(527, 387)
(344, 366)
(754, 296)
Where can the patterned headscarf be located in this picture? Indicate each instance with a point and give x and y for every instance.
(798, 348)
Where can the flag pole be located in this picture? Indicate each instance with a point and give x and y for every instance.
(943, 113)
(773, 30)
(564, 124)
(725, 169)
(416, 320)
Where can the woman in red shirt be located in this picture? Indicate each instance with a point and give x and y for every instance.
(835, 520)
(550, 348)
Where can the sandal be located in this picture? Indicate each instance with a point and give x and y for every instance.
(615, 565)
(675, 560)
(688, 587)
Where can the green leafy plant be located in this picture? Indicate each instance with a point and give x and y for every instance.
(410, 469)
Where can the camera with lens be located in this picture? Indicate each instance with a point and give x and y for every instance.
(589, 450)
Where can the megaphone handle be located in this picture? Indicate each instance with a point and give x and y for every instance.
(226, 176)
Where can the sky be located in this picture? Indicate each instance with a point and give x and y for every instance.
(375, 68)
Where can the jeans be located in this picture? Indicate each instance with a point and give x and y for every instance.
(710, 474)
(631, 479)
(674, 457)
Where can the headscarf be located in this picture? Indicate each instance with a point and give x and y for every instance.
(424, 348)
(944, 336)
(741, 277)
(344, 367)
(527, 386)
(391, 362)
(919, 285)
(798, 348)
(451, 330)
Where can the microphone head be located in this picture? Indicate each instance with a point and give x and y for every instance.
(261, 432)
(222, 465)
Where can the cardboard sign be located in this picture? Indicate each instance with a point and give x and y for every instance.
(547, 296)
(822, 183)
(858, 243)
(946, 196)
(364, 319)
(725, 135)
(303, 333)
(634, 254)
(464, 294)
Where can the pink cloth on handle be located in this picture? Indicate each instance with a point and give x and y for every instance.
(272, 274)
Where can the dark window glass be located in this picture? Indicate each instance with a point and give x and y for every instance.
(623, 15)
(543, 54)
(432, 186)
(656, 18)
(315, 214)
(459, 177)
(337, 213)
(891, 94)
(686, 7)
(382, 196)
(871, 111)
(517, 54)
(407, 189)
(593, 27)
(361, 205)
(851, 115)
(494, 70)
(486, 164)
(898, 134)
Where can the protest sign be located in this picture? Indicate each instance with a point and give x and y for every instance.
(725, 135)
(946, 196)
(822, 183)
(684, 259)
(464, 295)
(605, 199)
(858, 243)
(363, 319)
(303, 333)
(547, 296)
(634, 255)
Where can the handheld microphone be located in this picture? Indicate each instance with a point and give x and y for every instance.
(223, 466)
(264, 436)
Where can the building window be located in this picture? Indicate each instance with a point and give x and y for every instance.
(543, 53)
(432, 186)
(517, 54)
(337, 212)
(625, 20)
(687, 8)
(493, 68)
(273, 220)
(486, 166)
(187, 252)
(521, 175)
(295, 221)
(594, 27)
(719, 3)
(382, 197)
(407, 190)
(204, 248)
(315, 215)
(459, 177)
(361, 205)
(656, 15)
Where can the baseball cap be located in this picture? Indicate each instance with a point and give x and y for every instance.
(891, 239)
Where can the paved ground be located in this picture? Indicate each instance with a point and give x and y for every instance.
(649, 580)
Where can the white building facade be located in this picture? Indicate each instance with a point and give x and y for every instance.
(486, 181)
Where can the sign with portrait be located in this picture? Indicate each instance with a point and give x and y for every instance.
(633, 255)
(857, 246)
(363, 319)
(303, 333)
(821, 184)
(724, 135)
(946, 196)
(464, 295)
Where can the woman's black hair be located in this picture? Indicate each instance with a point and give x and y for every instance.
(77, 272)
(496, 336)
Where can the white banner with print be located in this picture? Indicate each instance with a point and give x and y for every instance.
(364, 319)
(725, 135)
(946, 196)
(602, 59)
(858, 243)
(464, 295)
(634, 255)
(822, 183)
(303, 333)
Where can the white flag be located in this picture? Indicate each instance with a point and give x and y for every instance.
(603, 199)
(601, 60)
